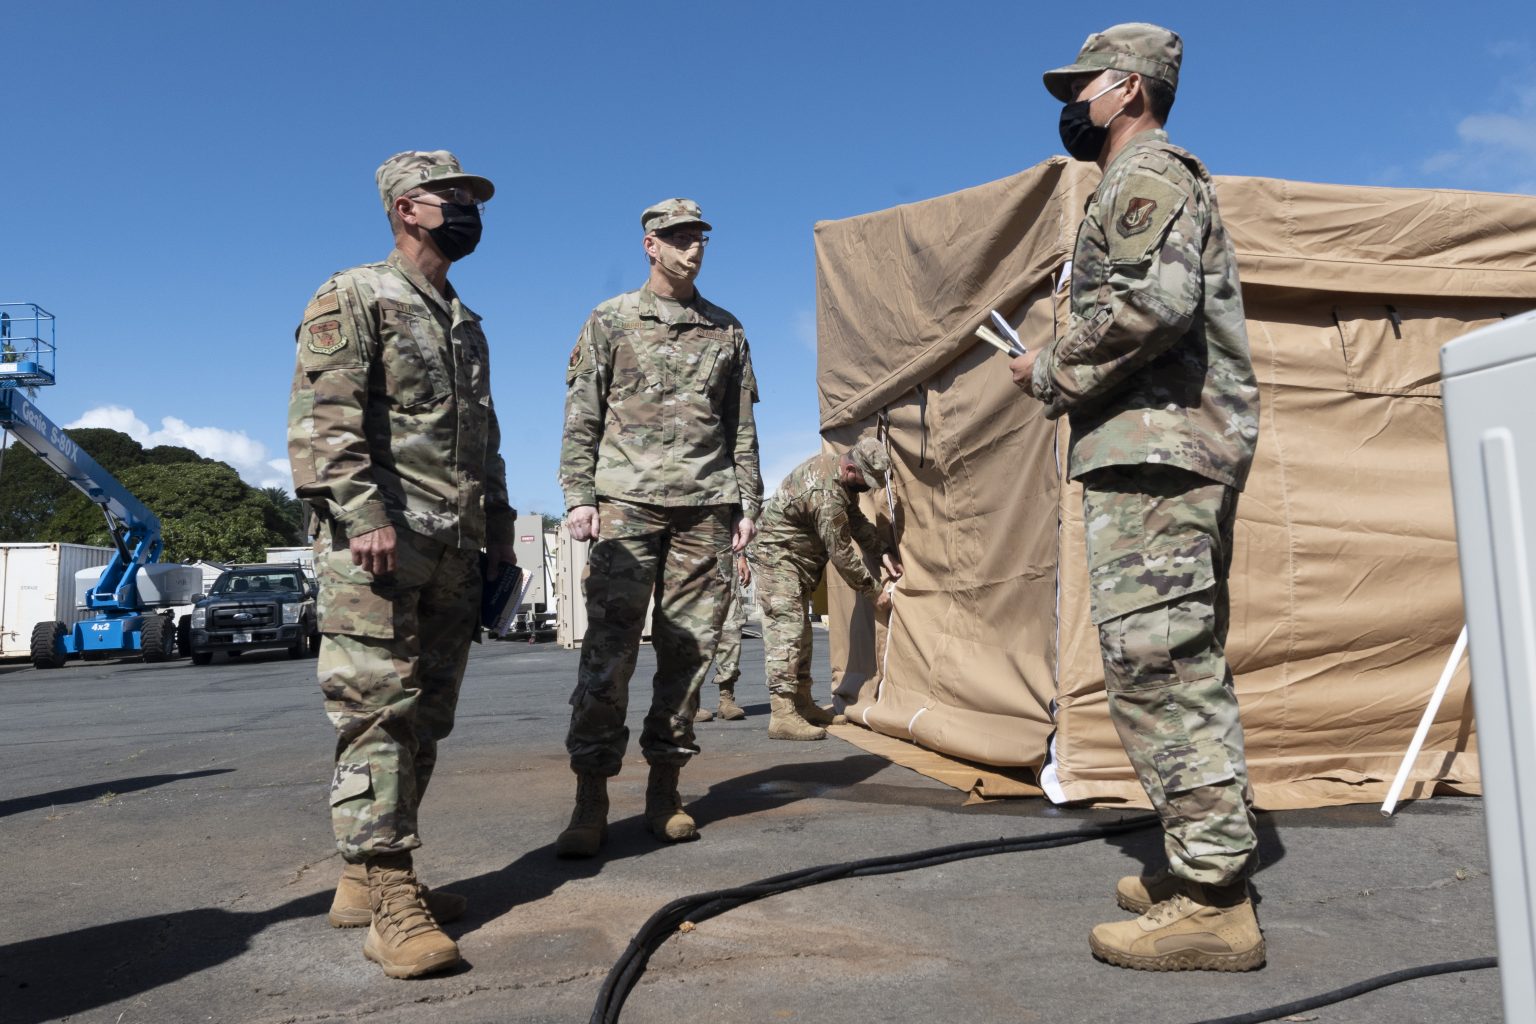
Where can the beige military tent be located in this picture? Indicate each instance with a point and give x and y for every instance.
(1346, 598)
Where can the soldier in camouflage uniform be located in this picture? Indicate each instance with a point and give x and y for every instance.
(728, 650)
(1155, 375)
(659, 466)
(813, 518)
(395, 446)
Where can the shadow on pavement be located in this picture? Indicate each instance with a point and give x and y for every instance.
(539, 873)
(81, 794)
(60, 975)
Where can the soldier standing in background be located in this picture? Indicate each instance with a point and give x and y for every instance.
(812, 518)
(728, 650)
(1155, 375)
(394, 444)
(659, 466)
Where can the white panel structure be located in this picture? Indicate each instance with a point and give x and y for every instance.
(1489, 377)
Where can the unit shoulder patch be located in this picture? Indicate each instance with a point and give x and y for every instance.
(325, 338)
(1144, 207)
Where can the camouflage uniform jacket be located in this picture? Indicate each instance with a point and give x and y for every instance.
(390, 420)
(1154, 366)
(658, 407)
(811, 518)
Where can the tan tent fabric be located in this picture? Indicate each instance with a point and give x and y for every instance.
(1346, 599)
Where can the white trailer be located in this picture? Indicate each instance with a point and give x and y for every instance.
(37, 584)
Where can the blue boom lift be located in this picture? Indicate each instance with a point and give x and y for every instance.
(132, 585)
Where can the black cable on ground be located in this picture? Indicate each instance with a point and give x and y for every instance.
(626, 972)
(1359, 988)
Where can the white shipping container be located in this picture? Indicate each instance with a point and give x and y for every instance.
(37, 585)
(529, 542)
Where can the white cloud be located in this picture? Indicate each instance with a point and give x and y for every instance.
(248, 456)
(1496, 147)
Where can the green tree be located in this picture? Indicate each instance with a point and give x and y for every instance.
(170, 454)
(205, 509)
(289, 509)
(29, 493)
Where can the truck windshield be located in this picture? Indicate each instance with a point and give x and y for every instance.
(258, 583)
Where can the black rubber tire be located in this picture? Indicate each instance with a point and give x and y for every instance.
(184, 636)
(158, 640)
(296, 649)
(202, 657)
(45, 645)
(313, 641)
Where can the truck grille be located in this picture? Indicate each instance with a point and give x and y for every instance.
(243, 616)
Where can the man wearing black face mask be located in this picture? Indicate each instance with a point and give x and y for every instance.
(394, 444)
(811, 520)
(1154, 372)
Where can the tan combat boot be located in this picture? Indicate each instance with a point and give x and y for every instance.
(786, 723)
(815, 713)
(1202, 928)
(704, 715)
(402, 937)
(664, 807)
(350, 907)
(729, 710)
(588, 829)
(1137, 893)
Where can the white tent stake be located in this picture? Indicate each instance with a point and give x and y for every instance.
(1424, 723)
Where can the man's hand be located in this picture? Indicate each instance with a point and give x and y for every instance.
(893, 568)
(374, 551)
(497, 555)
(1023, 369)
(582, 521)
(884, 601)
(743, 570)
(745, 531)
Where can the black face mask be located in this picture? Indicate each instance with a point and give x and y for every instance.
(1084, 139)
(459, 233)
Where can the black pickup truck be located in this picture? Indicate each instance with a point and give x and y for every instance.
(256, 608)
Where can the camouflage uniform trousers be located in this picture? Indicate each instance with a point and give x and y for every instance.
(1159, 550)
(782, 597)
(684, 556)
(392, 656)
(728, 649)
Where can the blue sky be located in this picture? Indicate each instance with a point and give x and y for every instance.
(181, 177)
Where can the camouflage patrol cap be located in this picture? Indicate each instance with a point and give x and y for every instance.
(869, 455)
(417, 168)
(1148, 50)
(669, 213)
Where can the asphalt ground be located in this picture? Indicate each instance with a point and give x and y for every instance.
(166, 846)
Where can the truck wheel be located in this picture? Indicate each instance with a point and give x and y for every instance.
(184, 636)
(45, 645)
(158, 638)
(202, 657)
(314, 644)
(296, 649)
